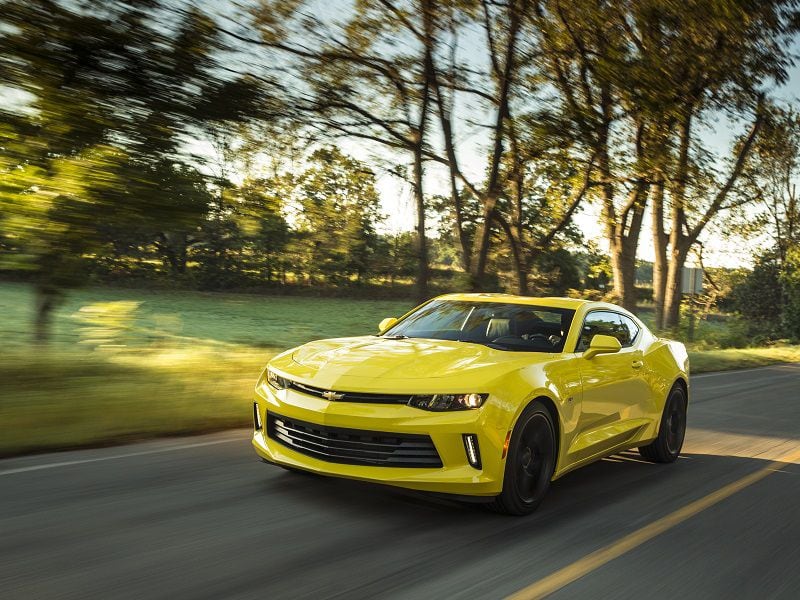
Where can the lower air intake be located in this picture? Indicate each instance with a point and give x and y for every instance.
(353, 446)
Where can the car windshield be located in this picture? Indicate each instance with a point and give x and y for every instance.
(499, 325)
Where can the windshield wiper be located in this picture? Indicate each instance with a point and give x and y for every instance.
(395, 337)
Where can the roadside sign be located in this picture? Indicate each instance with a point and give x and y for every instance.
(692, 281)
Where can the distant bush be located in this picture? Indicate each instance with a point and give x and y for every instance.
(768, 298)
(587, 294)
(644, 293)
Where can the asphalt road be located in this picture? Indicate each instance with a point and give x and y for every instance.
(202, 518)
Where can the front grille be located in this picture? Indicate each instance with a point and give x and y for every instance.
(353, 446)
(351, 396)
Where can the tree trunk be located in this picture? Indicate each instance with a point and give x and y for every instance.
(46, 300)
(622, 230)
(623, 266)
(505, 76)
(517, 253)
(418, 149)
(680, 242)
(522, 279)
(660, 249)
(461, 232)
(422, 241)
(455, 174)
(624, 243)
(679, 250)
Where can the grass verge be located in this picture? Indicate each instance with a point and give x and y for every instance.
(705, 361)
(56, 400)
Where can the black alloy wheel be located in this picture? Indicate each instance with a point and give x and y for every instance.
(667, 446)
(530, 462)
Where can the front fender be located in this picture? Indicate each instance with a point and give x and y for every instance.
(557, 384)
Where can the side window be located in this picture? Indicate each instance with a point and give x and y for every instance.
(631, 328)
(607, 323)
(598, 322)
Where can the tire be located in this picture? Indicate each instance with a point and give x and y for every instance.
(667, 446)
(530, 463)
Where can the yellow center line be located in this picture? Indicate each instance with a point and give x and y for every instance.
(583, 566)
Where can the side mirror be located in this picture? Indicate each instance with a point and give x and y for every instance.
(602, 344)
(386, 323)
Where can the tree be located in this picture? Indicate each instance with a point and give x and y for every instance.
(634, 82)
(584, 58)
(501, 26)
(265, 222)
(389, 73)
(366, 77)
(339, 209)
(771, 178)
(113, 98)
(694, 62)
(770, 295)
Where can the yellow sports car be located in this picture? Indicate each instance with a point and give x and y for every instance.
(490, 396)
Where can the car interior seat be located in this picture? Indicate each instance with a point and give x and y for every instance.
(497, 327)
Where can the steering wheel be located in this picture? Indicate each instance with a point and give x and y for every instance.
(534, 336)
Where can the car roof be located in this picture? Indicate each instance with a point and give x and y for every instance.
(553, 302)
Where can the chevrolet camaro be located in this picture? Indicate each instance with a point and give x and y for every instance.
(489, 396)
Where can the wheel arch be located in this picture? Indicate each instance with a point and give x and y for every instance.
(555, 417)
(681, 382)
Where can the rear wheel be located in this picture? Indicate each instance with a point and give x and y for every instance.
(530, 463)
(667, 446)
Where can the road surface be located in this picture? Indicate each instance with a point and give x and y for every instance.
(202, 518)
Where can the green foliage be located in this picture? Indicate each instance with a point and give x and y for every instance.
(769, 296)
(339, 209)
(97, 150)
(396, 256)
(790, 282)
(559, 270)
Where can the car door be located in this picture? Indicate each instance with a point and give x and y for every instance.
(613, 389)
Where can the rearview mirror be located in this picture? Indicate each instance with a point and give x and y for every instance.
(386, 323)
(602, 344)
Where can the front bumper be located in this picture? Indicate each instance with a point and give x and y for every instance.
(446, 430)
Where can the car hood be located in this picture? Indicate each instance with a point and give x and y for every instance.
(361, 360)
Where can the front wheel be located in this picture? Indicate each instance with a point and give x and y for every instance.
(667, 446)
(530, 462)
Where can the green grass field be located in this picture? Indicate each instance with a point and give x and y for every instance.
(201, 318)
(131, 364)
(128, 364)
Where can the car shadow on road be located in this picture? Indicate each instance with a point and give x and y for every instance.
(601, 484)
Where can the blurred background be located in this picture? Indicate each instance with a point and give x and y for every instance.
(187, 188)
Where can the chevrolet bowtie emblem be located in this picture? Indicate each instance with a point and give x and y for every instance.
(331, 396)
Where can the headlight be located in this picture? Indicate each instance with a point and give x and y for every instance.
(276, 381)
(442, 402)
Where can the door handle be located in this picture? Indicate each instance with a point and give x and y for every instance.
(637, 364)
